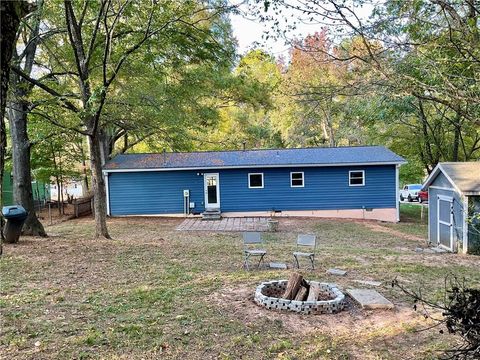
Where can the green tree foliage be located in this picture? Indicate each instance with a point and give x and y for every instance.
(245, 112)
(93, 43)
(56, 154)
(318, 95)
(411, 71)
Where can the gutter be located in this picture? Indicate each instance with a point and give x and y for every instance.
(250, 167)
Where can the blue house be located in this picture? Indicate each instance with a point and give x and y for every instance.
(347, 182)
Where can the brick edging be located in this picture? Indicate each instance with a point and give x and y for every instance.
(276, 288)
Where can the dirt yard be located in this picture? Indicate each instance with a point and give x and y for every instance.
(154, 292)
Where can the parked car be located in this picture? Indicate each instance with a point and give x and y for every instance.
(422, 196)
(410, 192)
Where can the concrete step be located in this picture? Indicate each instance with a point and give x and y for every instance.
(211, 215)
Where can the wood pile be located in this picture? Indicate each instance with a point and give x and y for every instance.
(298, 289)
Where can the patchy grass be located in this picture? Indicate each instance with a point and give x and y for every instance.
(411, 213)
(411, 220)
(156, 292)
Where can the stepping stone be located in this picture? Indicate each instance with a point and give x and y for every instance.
(369, 299)
(275, 265)
(425, 251)
(368, 282)
(438, 250)
(337, 272)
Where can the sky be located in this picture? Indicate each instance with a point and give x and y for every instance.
(248, 31)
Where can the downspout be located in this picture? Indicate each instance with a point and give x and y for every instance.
(107, 190)
(397, 195)
(429, 223)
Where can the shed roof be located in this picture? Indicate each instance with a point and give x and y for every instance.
(317, 156)
(464, 176)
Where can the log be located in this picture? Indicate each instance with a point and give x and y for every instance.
(301, 294)
(294, 283)
(314, 291)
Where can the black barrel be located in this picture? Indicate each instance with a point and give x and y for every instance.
(15, 216)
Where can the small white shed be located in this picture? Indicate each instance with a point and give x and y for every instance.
(454, 200)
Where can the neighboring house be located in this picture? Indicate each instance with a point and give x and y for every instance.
(347, 182)
(454, 196)
(40, 190)
(72, 188)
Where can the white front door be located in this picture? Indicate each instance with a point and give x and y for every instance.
(445, 222)
(212, 191)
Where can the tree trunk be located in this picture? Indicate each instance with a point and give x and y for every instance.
(456, 144)
(98, 185)
(428, 154)
(103, 145)
(18, 112)
(62, 201)
(10, 14)
(57, 179)
(59, 189)
(456, 137)
(84, 169)
(329, 126)
(107, 143)
(22, 178)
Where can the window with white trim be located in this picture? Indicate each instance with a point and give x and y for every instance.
(356, 178)
(296, 179)
(255, 181)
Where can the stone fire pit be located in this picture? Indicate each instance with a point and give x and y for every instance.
(269, 294)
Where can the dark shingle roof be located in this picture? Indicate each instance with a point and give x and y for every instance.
(465, 176)
(251, 158)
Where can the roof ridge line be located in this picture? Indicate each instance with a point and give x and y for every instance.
(251, 150)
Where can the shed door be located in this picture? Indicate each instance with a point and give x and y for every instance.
(445, 222)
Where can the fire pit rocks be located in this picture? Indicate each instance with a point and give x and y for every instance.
(269, 294)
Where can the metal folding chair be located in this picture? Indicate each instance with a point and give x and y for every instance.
(250, 242)
(305, 241)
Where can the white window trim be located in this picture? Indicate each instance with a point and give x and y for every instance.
(255, 187)
(291, 179)
(350, 178)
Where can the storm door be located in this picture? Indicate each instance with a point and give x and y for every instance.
(212, 191)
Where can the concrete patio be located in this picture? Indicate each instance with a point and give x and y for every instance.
(225, 224)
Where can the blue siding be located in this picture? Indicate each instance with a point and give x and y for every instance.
(148, 193)
(326, 188)
(441, 181)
